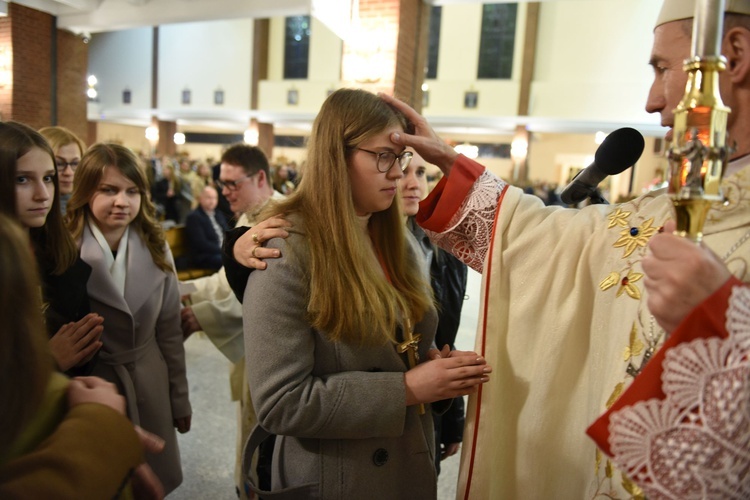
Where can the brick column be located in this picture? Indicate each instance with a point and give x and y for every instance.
(92, 134)
(266, 139)
(521, 167)
(261, 30)
(72, 69)
(6, 69)
(31, 81)
(389, 55)
(166, 144)
(26, 79)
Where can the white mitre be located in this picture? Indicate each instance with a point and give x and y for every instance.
(676, 10)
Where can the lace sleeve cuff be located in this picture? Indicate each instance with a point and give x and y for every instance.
(681, 429)
(738, 314)
(468, 231)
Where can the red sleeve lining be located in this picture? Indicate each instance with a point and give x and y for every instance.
(437, 210)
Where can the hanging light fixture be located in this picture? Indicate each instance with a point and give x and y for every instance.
(152, 134)
(91, 92)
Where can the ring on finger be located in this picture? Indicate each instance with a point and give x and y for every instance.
(253, 252)
(255, 238)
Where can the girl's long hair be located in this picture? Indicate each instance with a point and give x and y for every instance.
(350, 299)
(53, 245)
(88, 177)
(25, 363)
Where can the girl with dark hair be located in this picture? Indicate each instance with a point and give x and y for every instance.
(29, 193)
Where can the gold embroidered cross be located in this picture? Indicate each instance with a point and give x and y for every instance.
(410, 346)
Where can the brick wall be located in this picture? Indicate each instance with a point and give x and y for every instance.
(400, 28)
(412, 51)
(31, 39)
(26, 90)
(72, 69)
(6, 60)
(369, 61)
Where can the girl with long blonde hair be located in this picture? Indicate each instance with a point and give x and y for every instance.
(338, 330)
(68, 149)
(133, 285)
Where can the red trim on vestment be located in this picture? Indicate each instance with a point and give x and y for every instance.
(437, 210)
(707, 320)
(487, 270)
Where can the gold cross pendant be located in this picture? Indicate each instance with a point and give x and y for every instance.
(410, 346)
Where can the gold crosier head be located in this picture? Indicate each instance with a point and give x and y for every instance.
(699, 151)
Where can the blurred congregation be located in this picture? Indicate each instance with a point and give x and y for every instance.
(364, 214)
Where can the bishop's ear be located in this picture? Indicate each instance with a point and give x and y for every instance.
(736, 48)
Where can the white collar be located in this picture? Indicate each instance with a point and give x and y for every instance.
(117, 266)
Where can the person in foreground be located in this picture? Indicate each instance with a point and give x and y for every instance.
(682, 428)
(59, 438)
(338, 329)
(565, 321)
(448, 278)
(133, 285)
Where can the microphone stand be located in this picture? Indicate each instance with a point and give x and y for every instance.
(596, 198)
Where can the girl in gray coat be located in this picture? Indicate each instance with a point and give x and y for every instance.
(134, 287)
(338, 330)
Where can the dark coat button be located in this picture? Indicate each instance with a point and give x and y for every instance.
(380, 457)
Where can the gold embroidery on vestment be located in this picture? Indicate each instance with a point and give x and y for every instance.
(633, 241)
(608, 469)
(632, 488)
(611, 280)
(628, 287)
(615, 394)
(618, 217)
(636, 345)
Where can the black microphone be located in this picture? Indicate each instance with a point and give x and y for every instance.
(618, 152)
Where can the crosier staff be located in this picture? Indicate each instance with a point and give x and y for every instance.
(699, 152)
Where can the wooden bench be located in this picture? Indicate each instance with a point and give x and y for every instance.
(177, 241)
